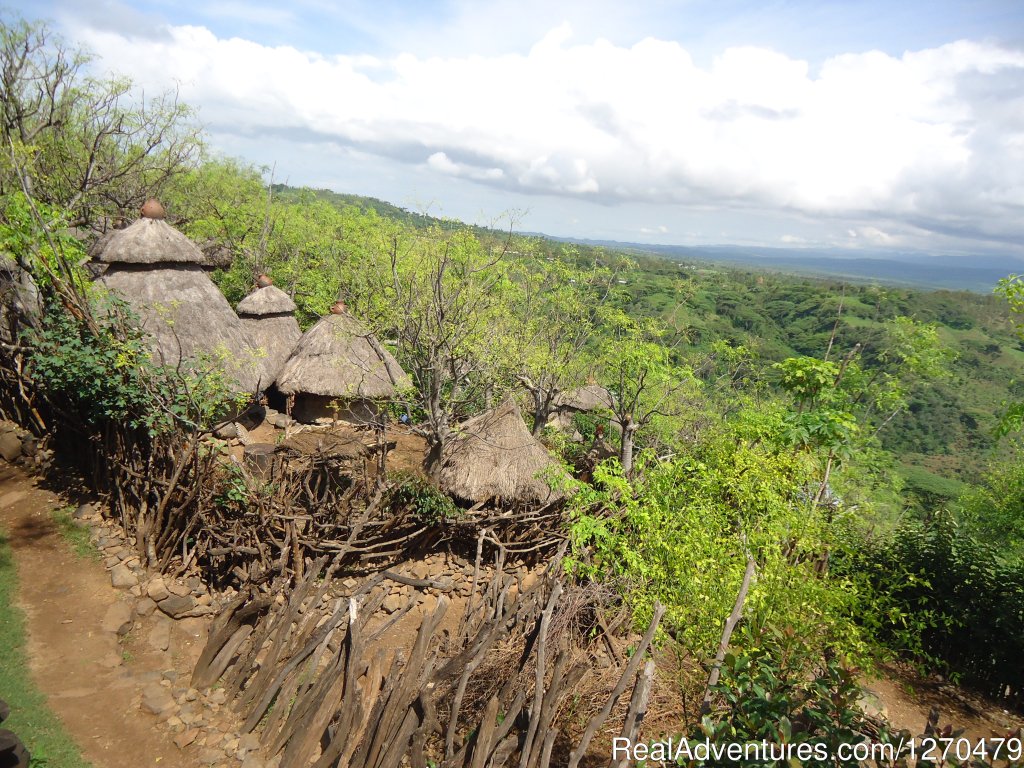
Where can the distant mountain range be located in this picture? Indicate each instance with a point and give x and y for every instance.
(964, 273)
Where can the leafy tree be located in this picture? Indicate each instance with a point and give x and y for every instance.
(1012, 290)
(442, 297)
(646, 381)
(681, 533)
(556, 308)
(94, 147)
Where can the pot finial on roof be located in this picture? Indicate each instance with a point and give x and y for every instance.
(151, 209)
(338, 308)
(263, 280)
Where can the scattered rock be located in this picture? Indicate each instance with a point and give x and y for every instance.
(228, 431)
(393, 602)
(145, 606)
(176, 605)
(122, 577)
(209, 755)
(160, 635)
(204, 600)
(157, 590)
(252, 761)
(249, 742)
(157, 700)
(10, 446)
(185, 738)
(218, 696)
(281, 421)
(179, 589)
(118, 618)
(111, 661)
(171, 675)
(871, 704)
(84, 511)
(420, 570)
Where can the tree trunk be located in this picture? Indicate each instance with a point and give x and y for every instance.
(541, 414)
(433, 460)
(626, 451)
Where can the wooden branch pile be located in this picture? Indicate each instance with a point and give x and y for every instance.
(326, 680)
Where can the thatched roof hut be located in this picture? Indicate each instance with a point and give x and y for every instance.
(267, 315)
(592, 397)
(161, 274)
(339, 359)
(494, 457)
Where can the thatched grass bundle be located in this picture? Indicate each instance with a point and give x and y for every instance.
(147, 241)
(494, 457)
(265, 301)
(267, 316)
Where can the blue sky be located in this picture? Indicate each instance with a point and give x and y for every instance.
(854, 125)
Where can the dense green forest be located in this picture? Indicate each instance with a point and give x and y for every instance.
(851, 446)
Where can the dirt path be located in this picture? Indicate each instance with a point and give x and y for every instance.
(908, 699)
(80, 667)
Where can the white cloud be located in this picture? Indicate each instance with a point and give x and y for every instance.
(933, 139)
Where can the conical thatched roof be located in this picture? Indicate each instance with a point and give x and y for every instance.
(494, 456)
(147, 241)
(186, 315)
(266, 301)
(276, 336)
(339, 357)
(592, 397)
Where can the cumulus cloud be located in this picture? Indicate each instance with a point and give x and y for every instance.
(931, 141)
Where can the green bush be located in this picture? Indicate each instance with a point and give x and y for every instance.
(415, 493)
(778, 691)
(103, 371)
(679, 534)
(945, 599)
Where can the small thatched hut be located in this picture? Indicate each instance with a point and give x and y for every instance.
(268, 316)
(160, 273)
(337, 370)
(494, 457)
(592, 397)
